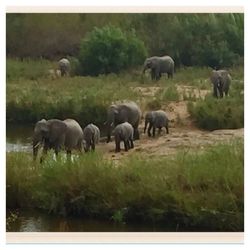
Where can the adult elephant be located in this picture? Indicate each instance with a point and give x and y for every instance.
(221, 80)
(159, 65)
(64, 66)
(56, 134)
(123, 112)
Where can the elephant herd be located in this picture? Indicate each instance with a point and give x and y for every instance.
(123, 119)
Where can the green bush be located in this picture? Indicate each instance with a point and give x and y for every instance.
(225, 113)
(109, 49)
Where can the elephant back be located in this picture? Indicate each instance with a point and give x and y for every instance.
(90, 131)
(74, 133)
(128, 112)
(124, 131)
(167, 64)
(160, 118)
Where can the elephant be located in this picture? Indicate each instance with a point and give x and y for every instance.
(124, 132)
(221, 80)
(156, 119)
(64, 66)
(56, 134)
(159, 65)
(123, 112)
(91, 137)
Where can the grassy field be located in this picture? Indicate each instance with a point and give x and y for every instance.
(195, 191)
(33, 95)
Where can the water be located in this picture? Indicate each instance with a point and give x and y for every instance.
(19, 137)
(37, 221)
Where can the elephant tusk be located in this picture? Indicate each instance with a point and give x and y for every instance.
(36, 145)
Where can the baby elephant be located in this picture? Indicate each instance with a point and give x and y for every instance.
(156, 119)
(91, 136)
(124, 132)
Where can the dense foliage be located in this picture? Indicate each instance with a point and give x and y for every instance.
(108, 49)
(215, 40)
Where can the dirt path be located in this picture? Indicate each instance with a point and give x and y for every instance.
(177, 139)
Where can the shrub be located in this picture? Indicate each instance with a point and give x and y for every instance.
(109, 49)
(225, 113)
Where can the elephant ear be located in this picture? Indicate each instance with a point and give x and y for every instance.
(57, 129)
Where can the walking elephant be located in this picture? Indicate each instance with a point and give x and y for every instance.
(123, 112)
(123, 132)
(64, 66)
(221, 80)
(58, 135)
(91, 136)
(159, 65)
(156, 119)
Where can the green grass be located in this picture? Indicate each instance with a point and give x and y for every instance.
(32, 95)
(225, 113)
(82, 98)
(197, 191)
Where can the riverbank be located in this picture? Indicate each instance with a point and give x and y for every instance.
(202, 189)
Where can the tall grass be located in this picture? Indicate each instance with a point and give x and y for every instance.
(196, 191)
(226, 113)
(83, 98)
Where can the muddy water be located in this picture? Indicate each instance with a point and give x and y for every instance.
(37, 221)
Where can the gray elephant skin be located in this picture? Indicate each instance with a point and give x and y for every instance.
(159, 65)
(123, 132)
(221, 80)
(91, 137)
(58, 135)
(123, 112)
(156, 119)
(64, 66)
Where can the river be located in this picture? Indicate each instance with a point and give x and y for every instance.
(38, 221)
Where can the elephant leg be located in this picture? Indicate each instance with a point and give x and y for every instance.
(167, 131)
(159, 131)
(149, 128)
(79, 146)
(221, 92)
(215, 91)
(131, 143)
(126, 145)
(136, 134)
(93, 146)
(153, 77)
(45, 151)
(117, 146)
(68, 151)
(153, 131)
